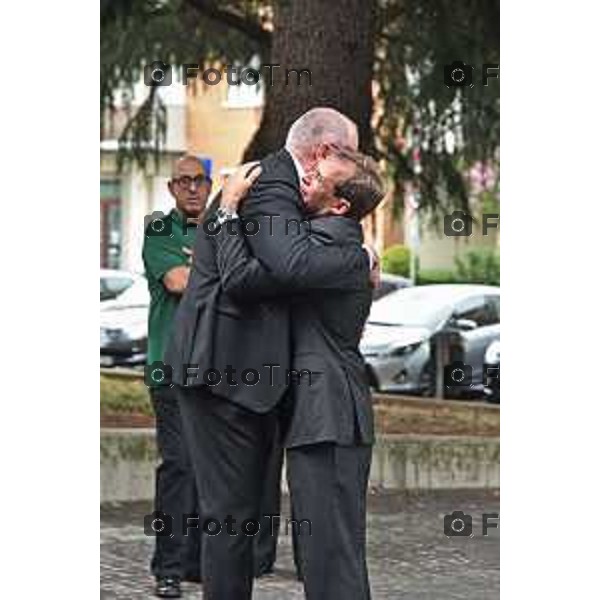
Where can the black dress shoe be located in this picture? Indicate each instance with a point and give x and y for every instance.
(168, 587)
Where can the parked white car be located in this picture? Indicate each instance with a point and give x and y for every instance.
(124, 326)
(114, 282)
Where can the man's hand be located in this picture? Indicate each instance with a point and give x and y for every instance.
(176, 279)
(238, 184)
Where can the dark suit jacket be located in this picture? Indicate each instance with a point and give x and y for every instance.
(216, 329)
(330, 396)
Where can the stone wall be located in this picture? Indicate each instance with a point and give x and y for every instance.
(400, 462)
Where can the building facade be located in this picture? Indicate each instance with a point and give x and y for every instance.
(216, 122)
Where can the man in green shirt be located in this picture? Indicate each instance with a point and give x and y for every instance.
(167, 251)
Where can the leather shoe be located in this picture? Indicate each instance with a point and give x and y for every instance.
(168, 587)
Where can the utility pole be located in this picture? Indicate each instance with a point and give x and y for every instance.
(413, 201)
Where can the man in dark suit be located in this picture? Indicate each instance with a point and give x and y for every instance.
(329, 432)
(231, 359)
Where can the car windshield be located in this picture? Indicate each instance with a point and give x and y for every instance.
(113, 286)
(136, 295)
(411, 307)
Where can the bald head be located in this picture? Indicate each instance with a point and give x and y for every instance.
(186, 164)
(320, 126)
(190, 186)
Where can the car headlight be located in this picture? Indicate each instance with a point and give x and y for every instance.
(136, 331)
(403, 350)
(108, 334)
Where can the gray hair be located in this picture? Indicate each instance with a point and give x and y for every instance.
(316, 126)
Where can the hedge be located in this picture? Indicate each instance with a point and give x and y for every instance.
(433, 276)
(124, 396)
(480, 265)
(396, 260)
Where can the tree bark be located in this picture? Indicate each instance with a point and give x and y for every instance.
(335, 42)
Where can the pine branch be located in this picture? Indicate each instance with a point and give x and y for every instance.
(235, 20)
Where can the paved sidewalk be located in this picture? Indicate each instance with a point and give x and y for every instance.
(409, 555)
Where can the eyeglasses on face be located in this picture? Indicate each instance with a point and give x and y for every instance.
(186, 181)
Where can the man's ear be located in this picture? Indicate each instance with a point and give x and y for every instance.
(170, 186)
(340, 207)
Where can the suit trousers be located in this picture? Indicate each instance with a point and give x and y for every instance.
(175, 491)
(328, 485)
(231, 450)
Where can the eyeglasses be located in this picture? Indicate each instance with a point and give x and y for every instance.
(359, 159)
(186, 181)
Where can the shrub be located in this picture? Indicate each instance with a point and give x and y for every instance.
(432, 276)
(124, 396)
(396, 260)
(481, 265)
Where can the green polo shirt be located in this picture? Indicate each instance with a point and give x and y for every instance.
(161, 253)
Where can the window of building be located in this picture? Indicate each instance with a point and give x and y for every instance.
(110, 224)
(244, 95)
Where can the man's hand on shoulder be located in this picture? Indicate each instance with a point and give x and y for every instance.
(238, 184)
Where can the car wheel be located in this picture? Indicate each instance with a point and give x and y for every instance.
(493, 399)
(372, 379)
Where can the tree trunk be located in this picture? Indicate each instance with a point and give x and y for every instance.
(335, 42)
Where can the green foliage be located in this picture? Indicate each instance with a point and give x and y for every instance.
(124, 396)
(396, 260)
(479, 266)
(432, 276)
(135, 33)
(415, 39)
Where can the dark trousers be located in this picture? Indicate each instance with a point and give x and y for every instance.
(328, 486)
(265, 543)
(175, 493)
(231, 449)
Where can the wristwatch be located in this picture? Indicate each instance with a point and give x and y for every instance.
(224, 215)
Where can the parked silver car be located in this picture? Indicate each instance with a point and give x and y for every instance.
(396, 343)
(124, 326)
